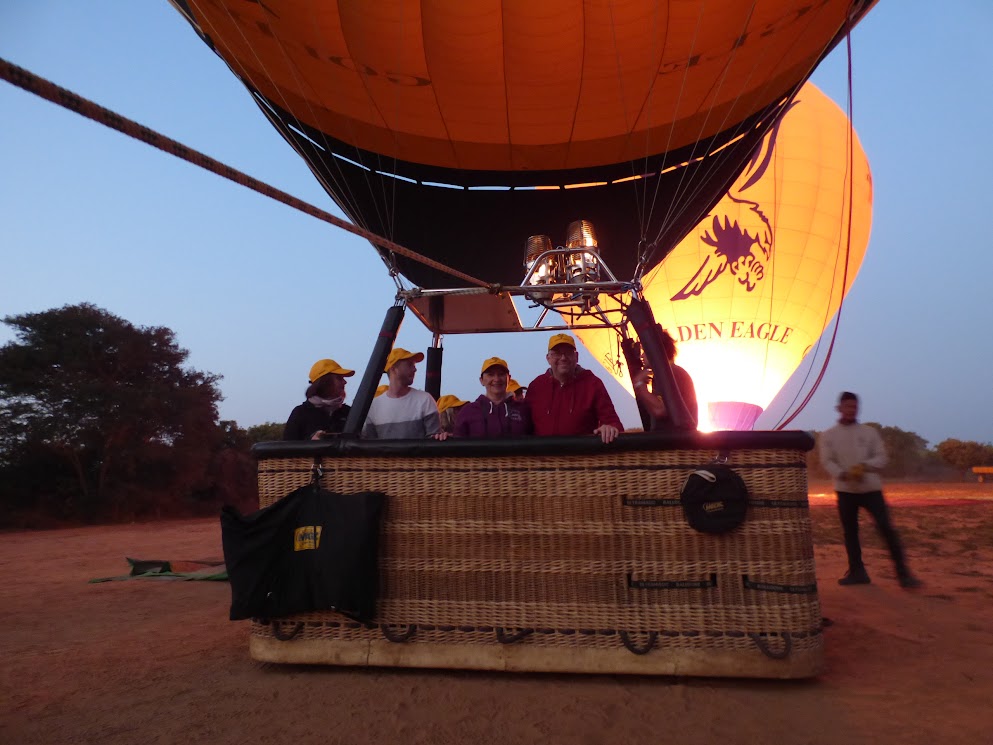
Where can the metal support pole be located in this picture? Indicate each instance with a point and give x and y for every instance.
(664, 382)
(432, 378)
(632, 356)
(374, 370)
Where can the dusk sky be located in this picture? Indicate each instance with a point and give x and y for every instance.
(257, 291)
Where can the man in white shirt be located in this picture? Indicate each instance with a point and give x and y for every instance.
(854, 454)
(402, 412)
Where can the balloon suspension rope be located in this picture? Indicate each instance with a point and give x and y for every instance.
(848, 247)
(32, 83)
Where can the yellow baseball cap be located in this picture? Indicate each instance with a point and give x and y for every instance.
(513, 386)
(561, 339)
(449, 401)
(381, 390)
(398, 355)
(323, 367)
(494, 362)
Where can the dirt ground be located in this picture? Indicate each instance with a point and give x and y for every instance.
(149, 661)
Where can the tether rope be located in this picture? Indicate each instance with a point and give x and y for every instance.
(32, 83)
(850, 168)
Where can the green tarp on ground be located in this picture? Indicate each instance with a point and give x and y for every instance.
(182, 569)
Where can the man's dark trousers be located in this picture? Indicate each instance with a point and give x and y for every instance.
(875, 505)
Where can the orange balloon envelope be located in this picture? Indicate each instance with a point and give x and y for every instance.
(748, 293)
(460, 128)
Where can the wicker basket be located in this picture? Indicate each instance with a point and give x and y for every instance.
(557, 558)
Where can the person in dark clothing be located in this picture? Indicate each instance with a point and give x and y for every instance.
(325, 410)
(651, 400)
(496, 413)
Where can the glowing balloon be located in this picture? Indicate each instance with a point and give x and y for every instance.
(748, 292)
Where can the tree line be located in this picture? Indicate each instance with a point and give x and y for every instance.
(102, 420)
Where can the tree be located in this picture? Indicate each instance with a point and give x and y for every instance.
(265, 432)
(906, 451)
(112, 402)
(232, 470)
(963, 455)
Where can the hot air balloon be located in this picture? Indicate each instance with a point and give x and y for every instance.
(748, 292)
(462, 135)
(456, 130)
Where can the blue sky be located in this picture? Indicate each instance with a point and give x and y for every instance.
(257, 291)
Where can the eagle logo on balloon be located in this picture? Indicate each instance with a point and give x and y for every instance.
(743, 250)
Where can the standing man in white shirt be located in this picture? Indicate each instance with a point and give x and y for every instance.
(854, 454)
(402, 412)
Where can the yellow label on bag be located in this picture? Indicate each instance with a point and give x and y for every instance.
(307, 538)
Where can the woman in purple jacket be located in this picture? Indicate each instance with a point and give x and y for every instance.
(496, 413)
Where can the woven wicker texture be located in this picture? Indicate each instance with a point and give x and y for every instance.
(571, 553)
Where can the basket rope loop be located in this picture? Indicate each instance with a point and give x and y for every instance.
(767, 650)
(398, 637)
(504, 638)
(277, 630)
(648, 646)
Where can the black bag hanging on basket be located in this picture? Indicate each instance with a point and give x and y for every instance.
(715, 499)
(311, 550)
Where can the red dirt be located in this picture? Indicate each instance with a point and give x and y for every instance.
(149, 661)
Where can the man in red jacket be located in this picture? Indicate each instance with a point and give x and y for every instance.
(569, 400)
